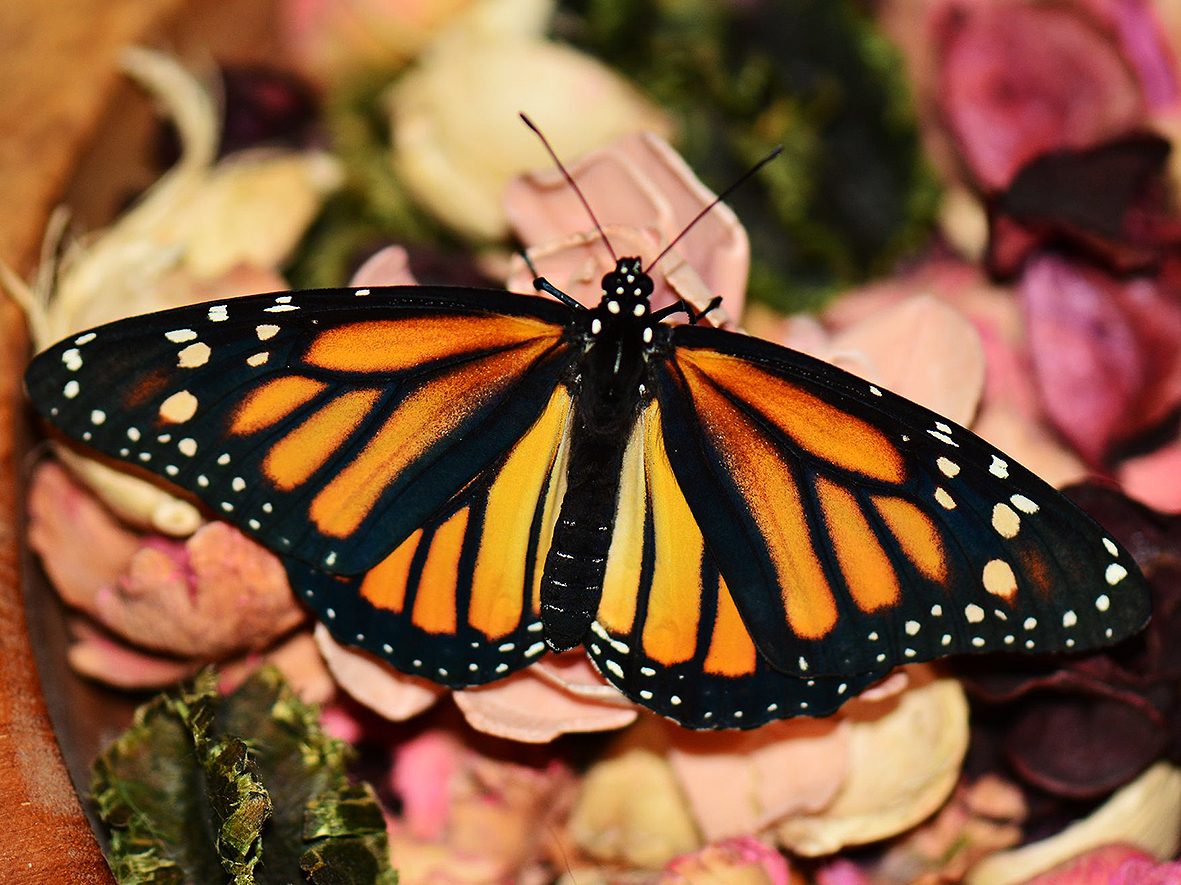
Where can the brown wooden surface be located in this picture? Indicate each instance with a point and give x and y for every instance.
(58, 64)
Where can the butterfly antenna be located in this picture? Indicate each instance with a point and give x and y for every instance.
(700, 215)
(570, 181)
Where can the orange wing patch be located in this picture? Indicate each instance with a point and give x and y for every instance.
(867, 570)
(674, 600)
(916, 534)
(434, 605)
(816, 426)
(268, 405)
(617, 606)
(385, 584)
(400, 344)
(293, 460)
(731, 650)
(432, 412)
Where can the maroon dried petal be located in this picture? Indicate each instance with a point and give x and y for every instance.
(1017, 80)
(266, 106)
(261, 107)
(1109, 202)
(1083, 748)
(1106, 352)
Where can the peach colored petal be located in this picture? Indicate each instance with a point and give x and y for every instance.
(738, 782)
(375, 684)
(216, 594)
(529, 708)
(82, 548)
(739, 861)
(387, 267)
(1155, 478)
(637, 181)
(905, 758)
(576, 263)
(432, 863)
(97, 655)
(298, 660)
(573, 673)
(924, 350)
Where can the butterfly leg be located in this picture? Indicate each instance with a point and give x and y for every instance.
(687, 309)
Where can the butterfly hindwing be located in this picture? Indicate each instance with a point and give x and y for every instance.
(328, 424)
(675, 642)
(857, 530)
(457, 601)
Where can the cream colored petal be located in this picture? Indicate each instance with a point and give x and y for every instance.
(458, 140)
(137, 501)
(739, 781)
(631, 811)
(1145, 813)
(905, 757)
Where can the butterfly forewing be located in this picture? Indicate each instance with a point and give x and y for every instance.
(329, 425)
(857, 530)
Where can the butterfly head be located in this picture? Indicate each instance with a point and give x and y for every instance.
(627, 284)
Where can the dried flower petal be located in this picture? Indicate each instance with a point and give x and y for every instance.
(457, 138)
(374, 683)
(740, 861)
(904, 762)
(630, 811)
(1145, 813)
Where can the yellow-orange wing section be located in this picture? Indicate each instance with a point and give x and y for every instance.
(456, 602)
(856, 530)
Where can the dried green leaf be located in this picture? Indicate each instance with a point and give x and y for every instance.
(245, 789)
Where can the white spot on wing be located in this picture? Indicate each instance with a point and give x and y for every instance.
(1115, 573)
(974, 613)
(179, 407)
(180, 336)
(999, 468)
(71, 389)
(194, 356)
(947, 467)
(218, 313)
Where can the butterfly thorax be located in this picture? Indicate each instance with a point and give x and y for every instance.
(619, 335)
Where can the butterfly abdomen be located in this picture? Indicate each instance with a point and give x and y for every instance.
(572, 581)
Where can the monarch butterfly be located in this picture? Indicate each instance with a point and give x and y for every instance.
(459, 480)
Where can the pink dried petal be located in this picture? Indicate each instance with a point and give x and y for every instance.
(1098, 867)
(97, 655)
(740, 861)
(1106, 352)
(1146, 871)
(1142, 38)
(638, 184)
(214, 595)
(423, 769)
(527, 707)
(387, 267)
(374, 683)
(1155, 478)
(82, 547)
(842, 872)
(297, 658)
(1018, 79)
(741, 782)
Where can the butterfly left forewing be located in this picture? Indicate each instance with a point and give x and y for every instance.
(667, 633)
(328, 424)
(857, 530)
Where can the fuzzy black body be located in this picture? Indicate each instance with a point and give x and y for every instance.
(619, 337)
